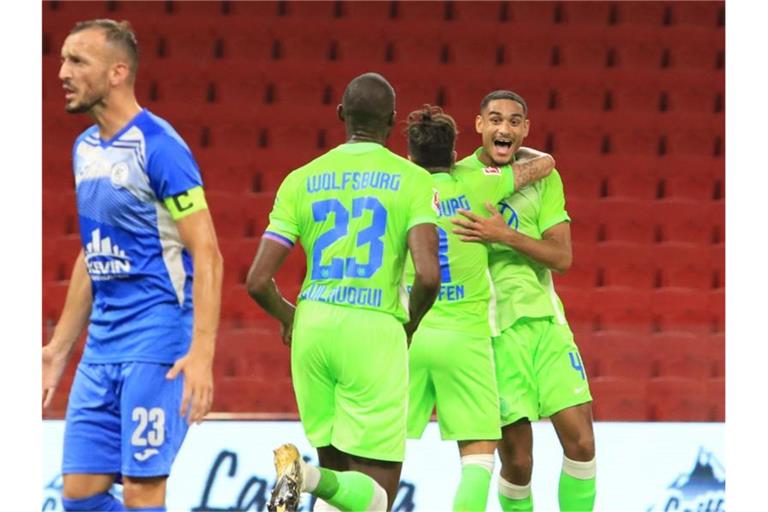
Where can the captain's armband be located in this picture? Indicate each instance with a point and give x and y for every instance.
(186, 203)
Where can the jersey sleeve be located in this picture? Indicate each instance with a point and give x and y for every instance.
(424, 200)
(283, 221)
(171, 167)
(552, 203)
(505, 185)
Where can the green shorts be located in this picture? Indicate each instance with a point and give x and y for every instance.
(350, 375)
(539, 370)
(455, 372)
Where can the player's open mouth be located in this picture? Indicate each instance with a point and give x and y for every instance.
(503, 147)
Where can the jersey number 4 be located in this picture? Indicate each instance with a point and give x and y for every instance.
(372, 235)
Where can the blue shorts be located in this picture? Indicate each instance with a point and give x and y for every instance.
(123, 418)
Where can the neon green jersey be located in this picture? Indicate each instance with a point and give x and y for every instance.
(524, 289)
(352, 208)
(466, 302)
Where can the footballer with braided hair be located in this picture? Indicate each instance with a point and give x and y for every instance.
(450, 358)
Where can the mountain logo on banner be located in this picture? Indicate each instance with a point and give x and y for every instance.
(703, 489)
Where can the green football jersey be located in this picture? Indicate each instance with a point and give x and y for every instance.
(466, 301)
(352, 208)
(524, 289)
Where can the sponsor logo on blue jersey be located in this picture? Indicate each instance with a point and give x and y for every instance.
(701, 490)
(105, 260)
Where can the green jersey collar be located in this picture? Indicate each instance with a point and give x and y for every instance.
(358, 147)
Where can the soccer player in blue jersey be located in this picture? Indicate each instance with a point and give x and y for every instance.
(149, 252)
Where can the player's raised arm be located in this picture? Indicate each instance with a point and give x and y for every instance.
(73, 319)
(261, 284)
(531, 165)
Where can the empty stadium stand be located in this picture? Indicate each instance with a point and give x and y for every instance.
(628, 96)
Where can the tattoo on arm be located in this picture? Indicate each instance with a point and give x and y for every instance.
(531, 170)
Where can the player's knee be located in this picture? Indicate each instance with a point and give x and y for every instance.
(517, 468)
(144, 492)
(379, 500)
(581, 448)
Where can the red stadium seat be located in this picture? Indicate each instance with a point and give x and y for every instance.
(59, 213)
(681, 354)
(715, 346)
(617, 399)
(626, 264)
(686, 221)
(368, 11)
(581, 95)
(255, 352)
(716, 309)
(716, 398)
(581, 175)
(631, 176)
(626, 220)
(678, 399)
(597, 14)
(478, 14)
(696, 98)
(533, 13)
(698, 14)
(622, 309)
(419, 11)
(315, 11)
(59, 255)
(583, 272)
(238, 255)
(582, 54)
(621, 354)
(641, 13)
(584, 219)
(682, 265)
(682, 309)
(577, 303)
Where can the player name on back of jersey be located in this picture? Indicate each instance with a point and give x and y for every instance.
(448, 292)
(353, 180)
(350, 295)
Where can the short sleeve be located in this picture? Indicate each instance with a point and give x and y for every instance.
(552, 202)
(171, 167)
(283, 223)
(505, 186)
(424, 200)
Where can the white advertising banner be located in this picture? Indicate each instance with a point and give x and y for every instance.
(643, 467)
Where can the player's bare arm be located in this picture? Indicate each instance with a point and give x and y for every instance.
(73, 319)
(263, 289)
(422, 242)
(530, 166)
(553, 250)
(198, 235)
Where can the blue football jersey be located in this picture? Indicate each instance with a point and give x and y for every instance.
(141, 274)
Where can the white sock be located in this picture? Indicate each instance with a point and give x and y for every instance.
(379, 501)
(581, 470)
(484, 460)
(310, 476)
(512, 491)
(321, 506)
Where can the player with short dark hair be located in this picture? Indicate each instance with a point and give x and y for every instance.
(149, 252)
(358, 210)
(451, 357)
(538, 366)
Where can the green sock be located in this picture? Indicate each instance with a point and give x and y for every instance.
(576, 492)
(472, 493)
(508, 504)
(345, 490)
(509, 497)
